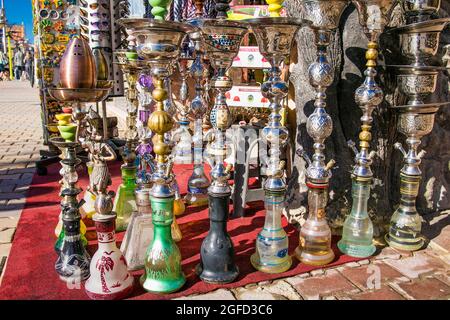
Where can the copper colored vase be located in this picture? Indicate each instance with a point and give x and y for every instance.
(77, 68)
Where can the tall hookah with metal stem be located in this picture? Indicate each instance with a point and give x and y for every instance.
(125, 201)
(198, 182)
(419, 42)
(163, 272)
(315, 235)
(357, 232)
(222, 39)
(272, 243)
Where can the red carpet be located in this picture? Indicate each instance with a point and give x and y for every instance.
(30, 270)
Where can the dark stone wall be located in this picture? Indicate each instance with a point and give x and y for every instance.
(346, 53)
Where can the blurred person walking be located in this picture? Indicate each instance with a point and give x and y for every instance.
(18, 64)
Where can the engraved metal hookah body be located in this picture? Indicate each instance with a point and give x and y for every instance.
(315, 234)
(274, 37)
(416, 119)
(357, 232)
(222, 40)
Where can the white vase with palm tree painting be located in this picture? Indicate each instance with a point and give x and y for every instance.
(110, 279)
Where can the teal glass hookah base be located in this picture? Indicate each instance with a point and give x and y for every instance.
(357, 232)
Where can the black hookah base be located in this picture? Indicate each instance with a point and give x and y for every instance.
(217, 264)
(214, 277)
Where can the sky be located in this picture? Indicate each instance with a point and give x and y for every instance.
(18, 11)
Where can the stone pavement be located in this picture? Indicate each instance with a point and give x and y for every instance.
(388, 275)
(20, 142)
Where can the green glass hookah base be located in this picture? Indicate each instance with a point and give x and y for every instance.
(356, 250)
(163, 273)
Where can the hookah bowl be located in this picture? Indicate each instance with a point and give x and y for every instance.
(315, 235)
(272, 243)
(198, 182)
(420, 41)
(419, 10)
(158, 43)
(275, 7)
(73, 261)
(417, 83)
(78, 56)
(160, 8)
(222, 39)
(357, 231)
(139, 233)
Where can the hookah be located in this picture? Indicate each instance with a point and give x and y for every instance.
(272, 243)
(65, 127)
(73, 260)
(181, 138)
(198, 182)
(139, 231)
(162, 265)
(315, 235)
(222, 39)
(419, 42)
(109, 277)
(125, 201)
(357, 232)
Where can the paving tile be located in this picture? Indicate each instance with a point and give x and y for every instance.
(220, 294)
(10, 176)
(326, 285)
(426, 289)
(8, 222)
(7, 188)
(11, 195)
(442, 240)
(7, 235)
(384, 293)
(413, 267)
(279, 290)
(365, 276)
(5, 248)
(388, 253)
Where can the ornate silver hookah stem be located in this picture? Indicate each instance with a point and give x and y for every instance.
(319, 124)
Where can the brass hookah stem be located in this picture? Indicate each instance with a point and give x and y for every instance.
(160, 122)
(369, 95)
